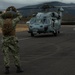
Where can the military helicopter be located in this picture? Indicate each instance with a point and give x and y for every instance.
(46, 21)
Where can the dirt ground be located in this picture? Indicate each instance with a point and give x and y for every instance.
(19, 28)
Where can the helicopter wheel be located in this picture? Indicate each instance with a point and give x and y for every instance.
(32, 35)
(58, 32)
(55, 33)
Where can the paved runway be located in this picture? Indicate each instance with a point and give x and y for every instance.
(45, 54)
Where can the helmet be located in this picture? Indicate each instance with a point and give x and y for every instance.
(11, 12)
(11, 8)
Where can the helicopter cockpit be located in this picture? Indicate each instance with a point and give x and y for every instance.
(43, 20)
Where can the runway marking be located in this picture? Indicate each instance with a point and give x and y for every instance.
(23, 39)
(44, 56)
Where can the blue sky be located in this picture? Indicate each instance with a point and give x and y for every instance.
(19, 3)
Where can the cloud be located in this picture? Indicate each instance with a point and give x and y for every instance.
(20, 3)
(34, 1)
(5, 4)
(27, 1)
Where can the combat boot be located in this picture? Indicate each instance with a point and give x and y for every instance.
(7, 70)
(19, 70)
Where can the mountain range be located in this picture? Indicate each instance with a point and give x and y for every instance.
(67, 10)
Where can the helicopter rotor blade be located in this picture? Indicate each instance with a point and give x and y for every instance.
(64, 6)
(46, 6)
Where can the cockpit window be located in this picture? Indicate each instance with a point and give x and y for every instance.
(33, 20)
(39, 21)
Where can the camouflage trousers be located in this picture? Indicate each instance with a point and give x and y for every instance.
(9, 45)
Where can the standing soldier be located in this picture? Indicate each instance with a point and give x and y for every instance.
(8, 21)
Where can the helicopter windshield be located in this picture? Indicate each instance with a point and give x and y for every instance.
(39, 21)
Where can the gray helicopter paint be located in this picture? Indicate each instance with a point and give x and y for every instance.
(46, 22)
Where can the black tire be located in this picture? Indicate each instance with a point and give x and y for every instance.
(58, 32)
(32, 35)
(55, 33)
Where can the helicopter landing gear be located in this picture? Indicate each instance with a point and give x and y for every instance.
(32, 35)
(56, 33)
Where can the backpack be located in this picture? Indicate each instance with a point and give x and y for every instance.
(7, 28)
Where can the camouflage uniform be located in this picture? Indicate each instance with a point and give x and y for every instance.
(9, 43)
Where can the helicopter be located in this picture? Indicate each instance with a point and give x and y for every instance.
(46, 21)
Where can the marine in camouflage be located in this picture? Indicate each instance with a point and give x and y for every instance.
(10, 41)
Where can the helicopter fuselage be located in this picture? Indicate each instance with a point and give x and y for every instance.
(45, 23)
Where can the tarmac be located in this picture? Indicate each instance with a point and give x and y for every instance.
(45, 54)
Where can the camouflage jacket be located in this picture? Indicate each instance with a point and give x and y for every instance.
(14, 21)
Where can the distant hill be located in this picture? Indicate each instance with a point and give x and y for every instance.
(68, 14)
(68, 10)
